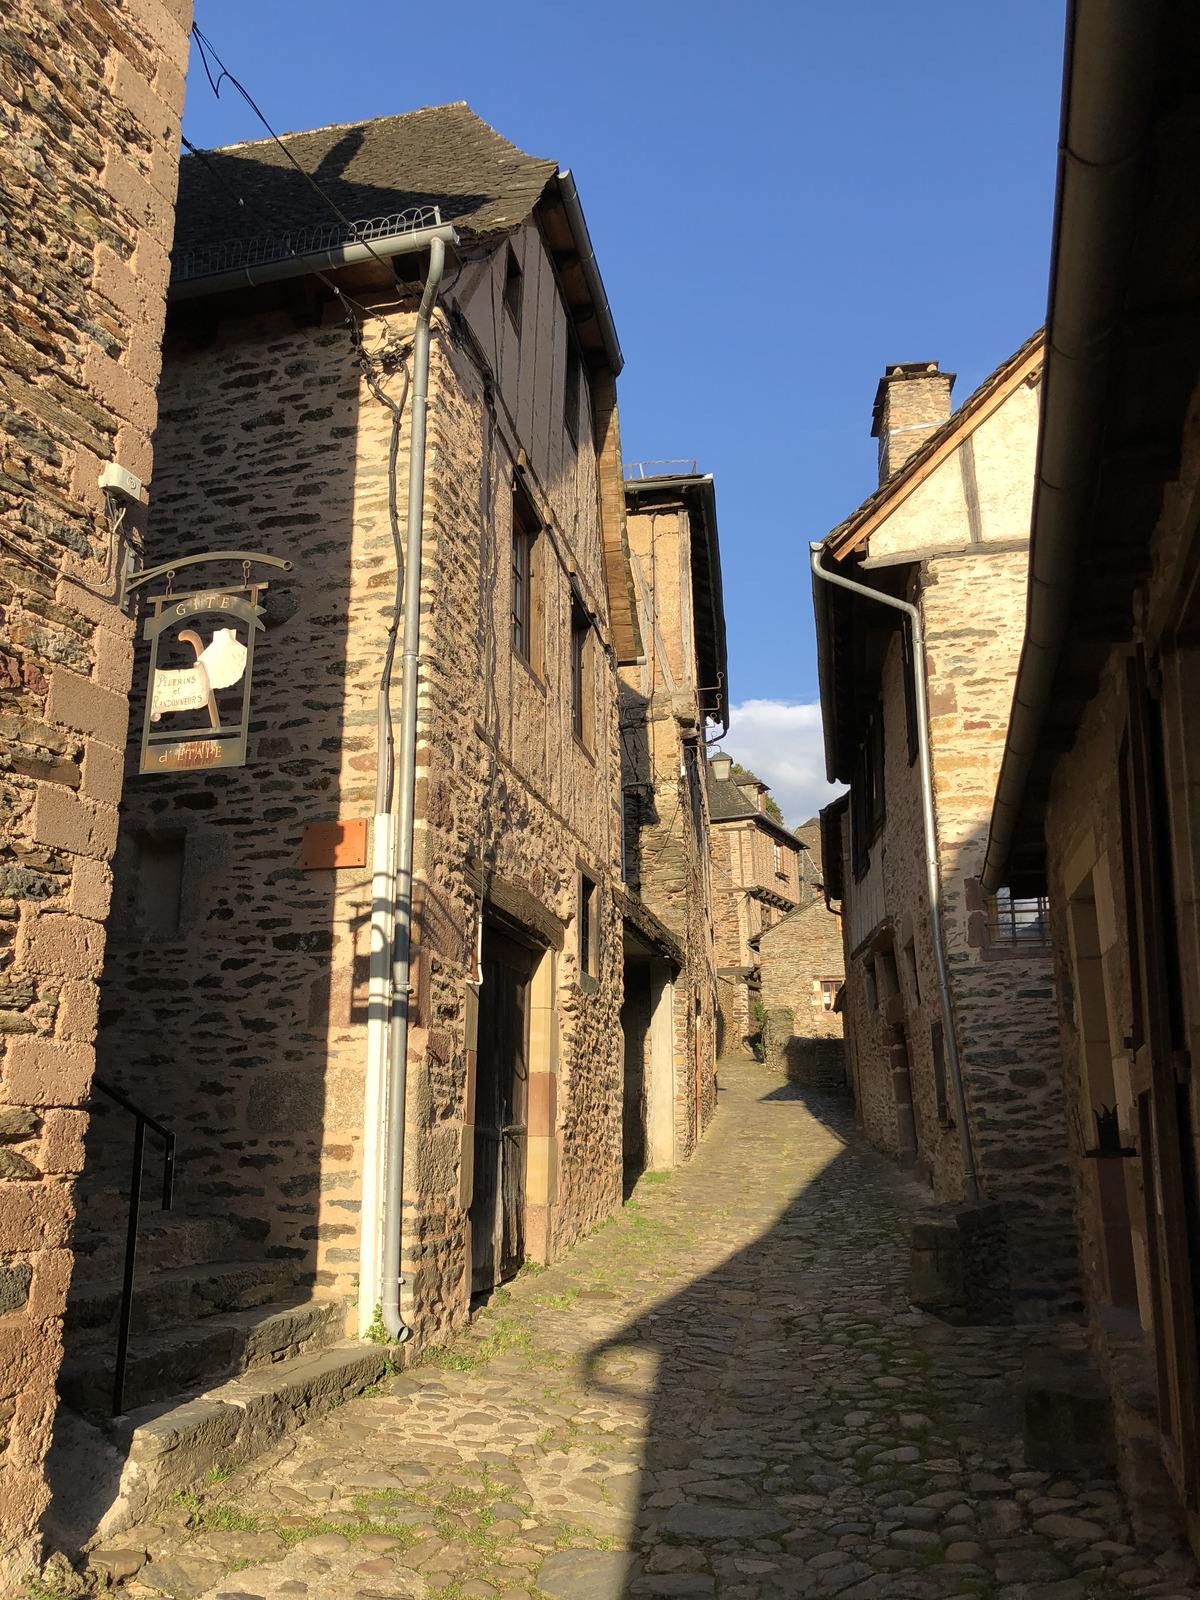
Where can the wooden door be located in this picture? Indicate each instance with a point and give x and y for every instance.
(1161, 1083)
(501, 1113)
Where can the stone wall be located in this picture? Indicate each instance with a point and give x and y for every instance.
(244, 1025)
(667, 833)
(795, 956)
(968, 574)
(1003, 996)
(90, 101)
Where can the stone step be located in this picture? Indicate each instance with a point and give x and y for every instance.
(165, 1239)
(198, 1354)
(106, 1478)
(175, 1296)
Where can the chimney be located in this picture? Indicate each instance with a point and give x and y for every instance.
(912, 400)
(721, 766)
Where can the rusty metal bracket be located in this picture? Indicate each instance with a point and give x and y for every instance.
(131, 581)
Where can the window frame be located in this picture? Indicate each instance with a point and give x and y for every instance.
(572, 392)
(834, 986)
(581, 677)
(587, 927)
(1017, 922)
(524, 619)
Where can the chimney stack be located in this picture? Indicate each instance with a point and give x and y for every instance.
(912, 400)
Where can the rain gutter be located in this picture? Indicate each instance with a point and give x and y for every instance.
(591, 272)
(1106, 119)
(296, 266)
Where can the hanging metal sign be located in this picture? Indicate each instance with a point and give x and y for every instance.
(193, 696)
(211, 634)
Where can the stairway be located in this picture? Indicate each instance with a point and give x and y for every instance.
(206, 1307)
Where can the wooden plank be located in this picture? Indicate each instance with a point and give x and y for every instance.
(546, 404)
(525, 244)
(476, 295)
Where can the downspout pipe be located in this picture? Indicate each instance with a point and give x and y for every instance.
(933, 869)
(406, 772)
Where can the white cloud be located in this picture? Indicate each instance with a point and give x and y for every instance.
(782, 744)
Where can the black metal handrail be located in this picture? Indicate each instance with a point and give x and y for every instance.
(143, 1121)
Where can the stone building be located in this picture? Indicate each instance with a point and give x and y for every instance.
(668, 698)
(947, 531)
(800, 964)
(1097, 801)
(756, 866)
(245, 998)
(90, 102)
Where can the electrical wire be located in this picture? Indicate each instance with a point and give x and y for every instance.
(205, 45)
(202, 156)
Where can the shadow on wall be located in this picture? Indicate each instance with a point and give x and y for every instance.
(230, 971)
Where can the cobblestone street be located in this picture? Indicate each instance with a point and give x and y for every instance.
(722, 1392)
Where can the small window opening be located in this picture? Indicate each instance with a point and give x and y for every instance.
(939, 1075)
(571, 391)
(909, 956)
(872, 985)
(524, 536)
(513, 287)
(830, 989)
(777, 849)
(589, 928)
(1017, 920)
(159, 884)
(581, 659)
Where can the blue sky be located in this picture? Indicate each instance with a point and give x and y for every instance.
(783, 198)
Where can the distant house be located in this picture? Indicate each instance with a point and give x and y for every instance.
(756, 882)
(800, 975)
(947, 531)
(669, 1015)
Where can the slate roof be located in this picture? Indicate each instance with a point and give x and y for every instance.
(440, 155)
(726, 803)
(726, 800)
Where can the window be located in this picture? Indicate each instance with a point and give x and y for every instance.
(513, 287)
(909, 957)
(159, 884)
(777, 851)
(867, 809)
(571, 392)
(939, 1076)
(1013, 920)
(872, 985)
(589, 928)
(581, 675)
(911, 721)
(830, 989)
(524, 537)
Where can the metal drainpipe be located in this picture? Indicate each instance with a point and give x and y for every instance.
(933, 868)
(406, 771)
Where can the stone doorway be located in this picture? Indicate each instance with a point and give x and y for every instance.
(501, 1112)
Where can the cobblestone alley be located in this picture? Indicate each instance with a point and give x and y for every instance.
(723, 1392)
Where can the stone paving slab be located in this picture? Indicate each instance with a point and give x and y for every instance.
(721, 1393)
